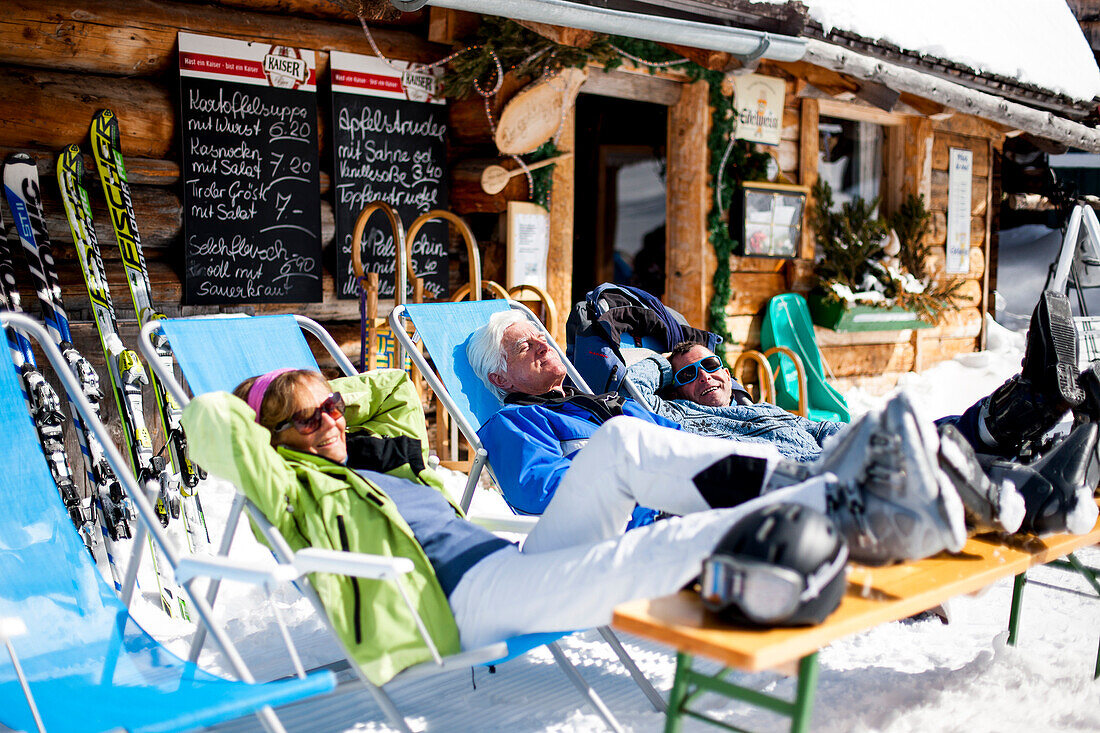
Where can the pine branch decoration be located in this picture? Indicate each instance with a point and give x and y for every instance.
(850, 240)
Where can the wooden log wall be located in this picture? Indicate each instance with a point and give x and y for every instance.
(62, 60)
(918, 152)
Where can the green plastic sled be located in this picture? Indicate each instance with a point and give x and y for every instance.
(787, 323)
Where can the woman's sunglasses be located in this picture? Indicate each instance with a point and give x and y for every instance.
(333, 406)
(687, 374)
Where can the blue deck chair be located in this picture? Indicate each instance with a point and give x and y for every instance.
(245, 346)
(445, 329)
(787, 323)
(81, 662)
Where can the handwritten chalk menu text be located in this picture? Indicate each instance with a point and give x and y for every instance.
(251, 199)
(389, 144)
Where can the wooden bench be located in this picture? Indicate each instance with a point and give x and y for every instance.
(875, 596)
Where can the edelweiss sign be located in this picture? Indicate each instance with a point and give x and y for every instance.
(759, 102)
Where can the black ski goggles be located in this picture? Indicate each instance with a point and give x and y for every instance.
(765, 593)
(688, 374)
(333, 406)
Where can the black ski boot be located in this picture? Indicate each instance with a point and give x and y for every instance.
(1089, 412)
(1056, 495)
(1025, 407)
(990, 506)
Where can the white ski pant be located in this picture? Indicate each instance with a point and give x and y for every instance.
(577, 564)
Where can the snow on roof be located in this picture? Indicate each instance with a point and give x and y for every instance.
(1035, 41)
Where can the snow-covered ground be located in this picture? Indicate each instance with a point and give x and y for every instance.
(917, 675)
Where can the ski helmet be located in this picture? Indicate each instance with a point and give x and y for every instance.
(781, 565)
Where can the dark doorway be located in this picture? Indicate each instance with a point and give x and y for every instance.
(620, 194)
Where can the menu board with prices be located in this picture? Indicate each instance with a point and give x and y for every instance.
(251, 193)
(390, 131)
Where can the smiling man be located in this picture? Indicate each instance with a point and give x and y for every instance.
(695, 390)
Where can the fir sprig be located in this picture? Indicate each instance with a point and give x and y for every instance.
(912, 222)
(849, 240)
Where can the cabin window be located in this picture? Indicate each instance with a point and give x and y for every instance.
(849, 158)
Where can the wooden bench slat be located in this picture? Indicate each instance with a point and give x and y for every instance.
(875, 596)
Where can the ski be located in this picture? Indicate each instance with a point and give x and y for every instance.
(43, 404)
(126, 372)
(107, 151)
(23, 193)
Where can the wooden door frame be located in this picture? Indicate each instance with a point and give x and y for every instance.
(689, 259)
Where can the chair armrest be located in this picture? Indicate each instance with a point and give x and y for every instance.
(317, 560)
(224, 568)
(519, 525)
(11, 626)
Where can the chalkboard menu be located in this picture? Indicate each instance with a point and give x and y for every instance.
(251, 200)
(389, 144)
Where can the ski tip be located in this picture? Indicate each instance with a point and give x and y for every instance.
(18, 158)
(71, 159)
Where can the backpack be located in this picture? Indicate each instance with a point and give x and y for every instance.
(613, 317)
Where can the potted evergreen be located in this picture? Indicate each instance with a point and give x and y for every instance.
(872, 272)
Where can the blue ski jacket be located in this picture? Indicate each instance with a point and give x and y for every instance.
(796, 437)
(531, 446)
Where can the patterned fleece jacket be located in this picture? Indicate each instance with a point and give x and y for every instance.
(796, 437)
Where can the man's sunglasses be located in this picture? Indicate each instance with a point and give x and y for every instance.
(687, 374)
(333, 406)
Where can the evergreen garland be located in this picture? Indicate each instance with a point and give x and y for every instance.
(744, 163)
(543, 178)
(527, 53)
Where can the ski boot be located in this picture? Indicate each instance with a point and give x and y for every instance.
(1056, 495)
(890, 500)
(1089, 412)
(990, 506)
(1029, 404)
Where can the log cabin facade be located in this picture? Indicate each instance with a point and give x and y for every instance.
(61, 61)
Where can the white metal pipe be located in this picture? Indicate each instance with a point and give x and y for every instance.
(738, 41)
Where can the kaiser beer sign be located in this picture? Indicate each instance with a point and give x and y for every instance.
(759, 102)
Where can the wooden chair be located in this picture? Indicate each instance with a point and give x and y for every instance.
(765, 382)
(375, 326)
(533, 294)
(767, 376)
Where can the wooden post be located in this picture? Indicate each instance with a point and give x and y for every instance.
(807, 166)
(559, 271)
(987, 250)
(372, 321)
(689, 258)
(916, 173)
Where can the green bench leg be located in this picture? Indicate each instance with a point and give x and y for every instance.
(1088, 574)
(689, 684)
(678, 692)
(1071, 564)
(807, 686)
(1014, 613)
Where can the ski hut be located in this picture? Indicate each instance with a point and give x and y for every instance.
(288, 116)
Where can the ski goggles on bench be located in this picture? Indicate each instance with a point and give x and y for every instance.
(333, 406)
(764, 592)
(688, 374)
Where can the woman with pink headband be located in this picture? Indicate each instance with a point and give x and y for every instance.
(341, 465)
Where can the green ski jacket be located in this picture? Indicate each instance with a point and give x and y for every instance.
(315, 502)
